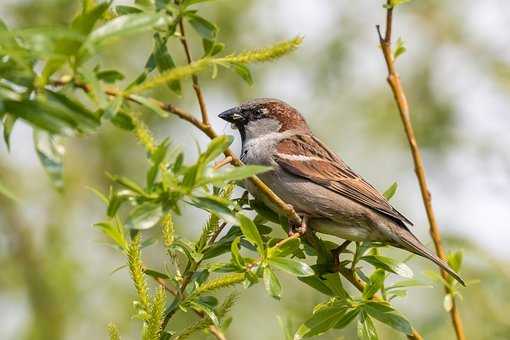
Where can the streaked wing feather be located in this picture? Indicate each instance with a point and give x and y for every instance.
(306, 156)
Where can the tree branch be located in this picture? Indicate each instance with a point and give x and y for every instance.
(194, 77)
(403, 107)
(207, 130)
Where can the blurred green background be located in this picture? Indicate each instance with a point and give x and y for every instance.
(56, 278)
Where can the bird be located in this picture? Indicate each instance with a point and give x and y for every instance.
(315, 181)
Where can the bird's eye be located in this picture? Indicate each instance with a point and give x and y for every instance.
(260, 113)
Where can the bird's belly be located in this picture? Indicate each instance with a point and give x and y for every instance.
(329, 212)
(345, 230)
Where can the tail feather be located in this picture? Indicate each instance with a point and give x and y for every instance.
(409, 242)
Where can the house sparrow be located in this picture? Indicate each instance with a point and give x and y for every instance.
(315, 181)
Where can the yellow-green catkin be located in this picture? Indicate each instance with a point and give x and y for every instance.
(156, 314)
(176, 73)
(253, 56)
(143, 134)
(136, 269)
(221, 282)
(265, 54)
(168, 230)
(113, 331)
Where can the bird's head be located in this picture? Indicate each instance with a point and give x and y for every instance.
(262, 116)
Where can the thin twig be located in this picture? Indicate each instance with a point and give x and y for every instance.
(194, 77)
(217, 332)
(403, 107)
(222, 163)
(207, 130)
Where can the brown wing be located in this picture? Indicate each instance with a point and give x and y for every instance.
(306, 156)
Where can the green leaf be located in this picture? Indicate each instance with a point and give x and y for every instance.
(244, 72)
(389, 264)
(395, 3)
(83, 118)
(129, 184)
(113, 230)
(42, 114)
(187, 248)
(8, 124)
(366, 328)
(286, 327)
(251, 232)
(335, 284)
(144, 216)
(207, 310)
(204, 28)
(322, 320)
(50, 151)
(7, 193)
(316, 283)
(216, 148)
(115, 201)
(285, 249)
(349, 315)
(123, 10)
(264, 211)
(271, 283)
(123, 121)
(217, 206)
(84, 23)
(109, 76)
(164, 62)
(157, 158)
(236, 255)
(374, 284)
(385, 313)
(234, 174)
(187, 3)
(409, 283)
(151, 104)
(455, 259)
(155, 274)
(399, 49)
(291, 266)
(122, 26)
(212, 48)
(390, 192)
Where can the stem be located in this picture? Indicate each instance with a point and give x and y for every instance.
(217, 332)
(403, 107)
(196, 86)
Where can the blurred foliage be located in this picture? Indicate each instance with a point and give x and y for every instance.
(43, 259)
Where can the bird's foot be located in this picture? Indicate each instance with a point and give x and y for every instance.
(335, 253)
(299, 229)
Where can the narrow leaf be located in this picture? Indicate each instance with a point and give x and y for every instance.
(271, 283)
(385, 313)
(144, 216)
(390, 192)
(292, 266)
(251, 232)
(389, 265)
(50, 151)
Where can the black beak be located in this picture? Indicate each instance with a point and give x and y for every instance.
(232, 115)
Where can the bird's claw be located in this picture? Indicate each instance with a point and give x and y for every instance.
(301, 229)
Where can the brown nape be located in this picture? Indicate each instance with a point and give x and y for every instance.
(288, 116)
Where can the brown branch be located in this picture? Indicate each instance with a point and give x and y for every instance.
(222, 163)
(194, 77)
(287, 209)
(403, 107)
(217, 332)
